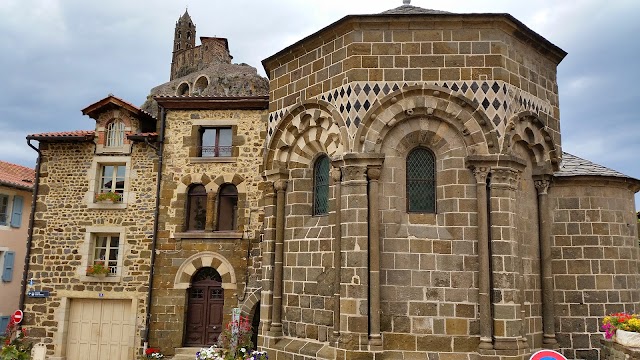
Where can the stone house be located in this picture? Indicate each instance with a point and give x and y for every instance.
(16, 186)
(85, 315)
(396, 189)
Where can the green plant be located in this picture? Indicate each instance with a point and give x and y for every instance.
(98, 268)
(108, 196)
(14, 345)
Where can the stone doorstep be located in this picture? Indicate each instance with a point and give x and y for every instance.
(185, 353)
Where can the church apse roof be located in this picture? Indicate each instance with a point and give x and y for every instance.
(576, 166)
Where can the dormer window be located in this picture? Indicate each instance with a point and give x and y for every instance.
(115, 134)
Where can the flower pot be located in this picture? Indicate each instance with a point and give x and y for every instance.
(628, 338)
(99, 276)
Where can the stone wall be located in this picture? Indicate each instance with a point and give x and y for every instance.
(479, 53)
(181, 250)
(595, 259)
(59, 252)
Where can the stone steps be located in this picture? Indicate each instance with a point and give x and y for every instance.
(186, 353)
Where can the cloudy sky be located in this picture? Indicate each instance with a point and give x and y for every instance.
(59, 56)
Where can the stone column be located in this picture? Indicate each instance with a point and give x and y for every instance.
(546, 271)
(211, 211)
(375, 338)
(336, 176)
(484, 261)
(275, 329)
(267, 247)
(354, 247)
(507, 302)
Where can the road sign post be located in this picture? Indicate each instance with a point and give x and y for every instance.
(17, 316)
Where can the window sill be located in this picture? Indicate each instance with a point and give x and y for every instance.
(221, 159)
(422, 218)
(234, 235)
(106, 206)
(108, 279)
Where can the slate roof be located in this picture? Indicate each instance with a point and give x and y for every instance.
(576, 166)
(413, 10)
(16, 176)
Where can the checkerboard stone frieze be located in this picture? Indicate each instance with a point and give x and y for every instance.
(498, 99)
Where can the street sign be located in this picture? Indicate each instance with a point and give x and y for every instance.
(17, 316)
(37, 294)
(547, 355)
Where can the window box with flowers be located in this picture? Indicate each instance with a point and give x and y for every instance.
(623, 328)
(98, 269)
(108, 198)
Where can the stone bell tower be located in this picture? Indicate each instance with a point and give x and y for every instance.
(185, 34)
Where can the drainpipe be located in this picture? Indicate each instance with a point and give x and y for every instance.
(156, 215)
(34, 196)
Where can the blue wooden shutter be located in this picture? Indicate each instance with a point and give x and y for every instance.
(16, 212)
(4, 321)
(7, 268)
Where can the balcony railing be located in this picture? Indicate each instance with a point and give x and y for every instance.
(215, 151)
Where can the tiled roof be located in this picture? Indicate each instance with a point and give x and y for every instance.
(63, 135)
(413, 10)
(150, 134)
(16, 176)
(576, 166)
(114, 100)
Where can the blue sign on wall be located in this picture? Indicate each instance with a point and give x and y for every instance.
(37, 294)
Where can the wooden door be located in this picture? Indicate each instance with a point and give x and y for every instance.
(205, 309)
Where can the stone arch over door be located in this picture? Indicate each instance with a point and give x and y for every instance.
(205, 259)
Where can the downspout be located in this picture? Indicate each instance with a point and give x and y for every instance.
(34, 196)
(156, 215)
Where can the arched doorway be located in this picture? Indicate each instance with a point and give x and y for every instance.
(205, 308)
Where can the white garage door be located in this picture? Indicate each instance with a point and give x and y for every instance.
(100, 329)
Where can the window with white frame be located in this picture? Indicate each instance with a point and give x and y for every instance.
(112, 179)
(106, 248)
(115, 134)
(109, 180)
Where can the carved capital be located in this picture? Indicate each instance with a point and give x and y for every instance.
(504, 176)
(352, 172)
(336, 174)
(542, 185)
(374, 173)
(481, 173)
(280, 185)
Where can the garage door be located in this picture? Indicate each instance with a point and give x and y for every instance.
(100, 329)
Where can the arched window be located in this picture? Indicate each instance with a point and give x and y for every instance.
(227, 207)
(421, 181)
(321, 186)
(115, 134)
(196, 208)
